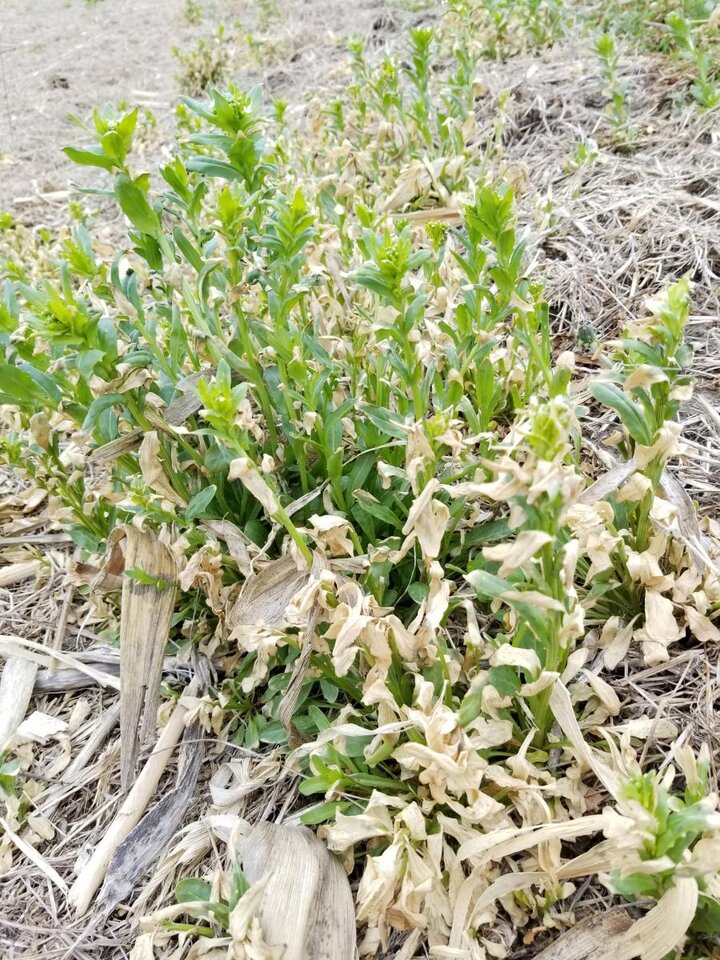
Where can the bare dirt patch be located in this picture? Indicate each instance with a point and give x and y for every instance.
(59, 58)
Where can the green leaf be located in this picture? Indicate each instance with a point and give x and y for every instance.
(210, 167)
(707, 918)
(418, 591)
(44, 381)
(134, 204)
(318, 718)
(239, 888)
(22, 388)
(192, 889)
(199, 502)
(147, 579)
(86, 362)
(471, 706)
(8, 775)
(365, 501)
(274, 732)
(489, 587)
(84, 538)
(488, 532)
(387, 422)
(505, 680)
(97, 408)
(192, 256)
(630, 414)
(90, 157)
(324, 812)
(319, 784)
(252, 737)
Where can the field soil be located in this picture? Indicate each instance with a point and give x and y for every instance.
(65, 57)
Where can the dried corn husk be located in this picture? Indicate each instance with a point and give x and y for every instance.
(129, 814)
(146, 614)
(267, 594)
(594, 939)
(305, 904)
(16, 687)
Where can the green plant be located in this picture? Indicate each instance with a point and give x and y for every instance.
(192, 11)
(297, 371)
(585, 154)
(671, 835)
(198, 893)
(203, 65)
(617, 89)
(688, 40)
(269, 10)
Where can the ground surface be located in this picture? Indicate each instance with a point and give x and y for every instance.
(61, 57)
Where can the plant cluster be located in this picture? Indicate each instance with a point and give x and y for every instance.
(206, 63)
(291, 363)
(687, 31)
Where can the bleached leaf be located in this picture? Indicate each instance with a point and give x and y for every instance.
(428, 519)
(244, 469)
(507, 655)
(152, 469)
(563, 711)
(546, 679)
(615, 639)
(664, 927)
(533, 597)
(701, 626)
(604, 692)
(517, 552)
(660, 629)
(635, 489)
(332, 531)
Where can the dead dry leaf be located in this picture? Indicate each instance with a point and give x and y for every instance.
(592, 939)
(147, 607)
(306, 904)
(16, 687)
(267, 593)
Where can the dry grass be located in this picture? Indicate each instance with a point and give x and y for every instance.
(610, 233)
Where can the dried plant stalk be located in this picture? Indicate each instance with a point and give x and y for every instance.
(146, 615)
(306, 903)
(17, 572)
(93, 873)
(16, 687)
(596, 938)
(37, 653)
(136, 854)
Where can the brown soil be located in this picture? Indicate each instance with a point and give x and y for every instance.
(60, 58)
